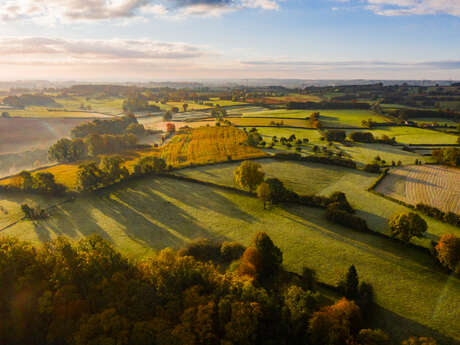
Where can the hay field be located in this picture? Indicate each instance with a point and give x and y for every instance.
(437, 186)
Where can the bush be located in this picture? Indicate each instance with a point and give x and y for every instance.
(335, 135)
(372, 168)
(362, 137)
(336, 215)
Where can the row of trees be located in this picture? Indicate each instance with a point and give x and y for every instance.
(448, 156)
(72, 150)
(41, 182)
(92, 176)
(138, 102)
(120, 125)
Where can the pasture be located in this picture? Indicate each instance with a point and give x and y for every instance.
(254, 122)
(437, 186)
(312, 178)
(108, 105)
(414, 135)
(144, 216)
(328, 118)
(360, 152)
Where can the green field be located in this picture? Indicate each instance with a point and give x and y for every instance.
(144, 216)
(44, 112)
(362, 153)
(311, 178)
(328, 118)
(109, 105)
(414, 135)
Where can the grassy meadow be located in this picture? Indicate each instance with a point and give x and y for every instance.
(328, 118)
(312, 178)
(144, 216)
(414, 135)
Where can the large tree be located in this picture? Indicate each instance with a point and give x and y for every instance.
(264, 193)
(248, 175)
(448, 252)
(404, 226)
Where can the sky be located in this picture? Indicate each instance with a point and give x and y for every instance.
(152, 40)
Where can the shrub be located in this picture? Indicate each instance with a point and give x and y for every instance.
(372, 168)
(336, 215)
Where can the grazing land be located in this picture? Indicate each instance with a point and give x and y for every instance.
(413, 135)
(436, 186)
(142, 217)
(328, 118)
(312, 178)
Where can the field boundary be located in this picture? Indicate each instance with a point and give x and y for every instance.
(46, 209)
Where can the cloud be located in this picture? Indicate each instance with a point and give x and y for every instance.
(69, 11)
(411, 7)
(341, 65)
(56, 50)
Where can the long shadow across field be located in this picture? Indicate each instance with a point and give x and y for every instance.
(147, 215)
(397, 253)
(403, 328)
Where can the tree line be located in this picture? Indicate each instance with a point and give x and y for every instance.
(88, 293)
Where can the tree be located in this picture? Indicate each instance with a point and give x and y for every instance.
(264, 193)
(351, 284)
(149, 165)
(404, 226)
(136, 129)
(270, 255)
(168, 115)
(66, 150)
(44, 182)
(248, 175)
(26, 180)
(170, 128)
(334, 325)
(254, 138)
(112, 169)
(448, 252)
(89, 176)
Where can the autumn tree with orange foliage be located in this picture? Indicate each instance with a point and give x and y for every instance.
(448, 252)
(334, 325)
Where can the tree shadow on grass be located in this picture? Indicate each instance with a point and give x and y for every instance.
(200, 197)
(146, 213)
(385, 248)
(402, 328)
